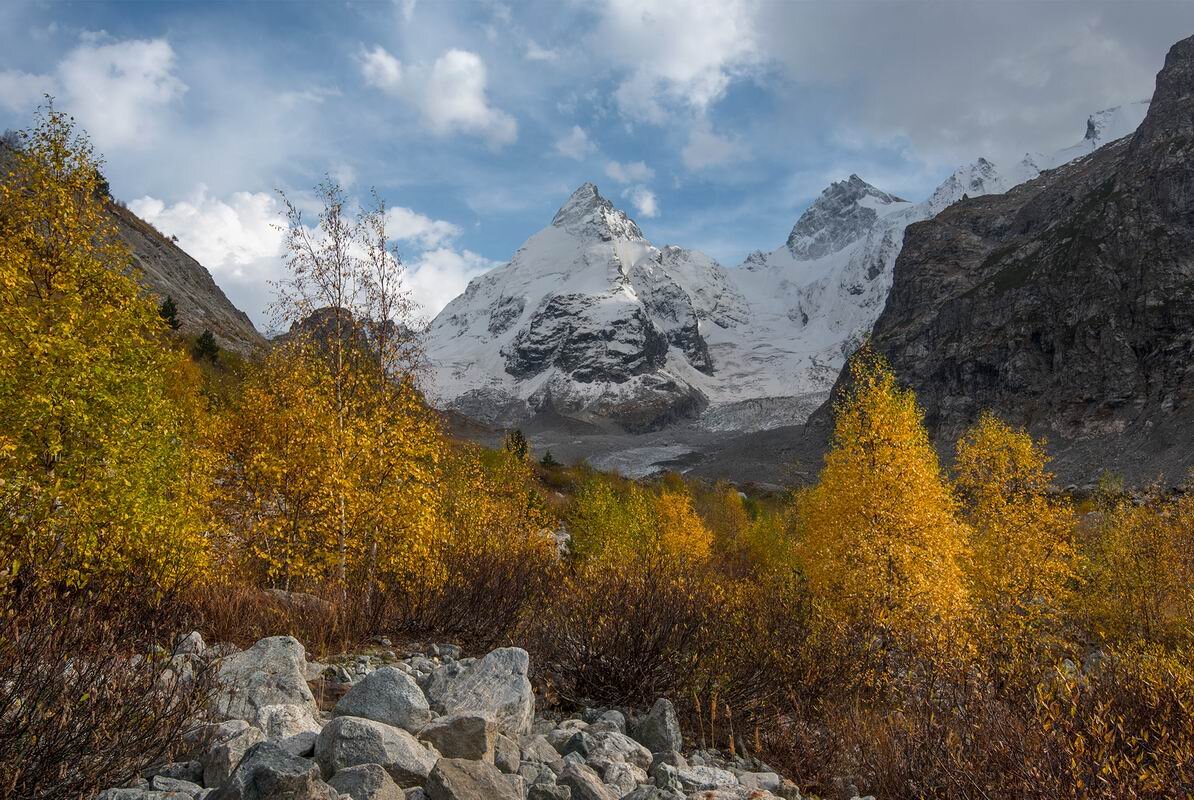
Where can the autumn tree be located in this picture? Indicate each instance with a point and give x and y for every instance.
(881, 540)
(94, 445)
(1020, 562)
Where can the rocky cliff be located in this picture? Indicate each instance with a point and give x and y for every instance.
(168, 271)
(1067, 303)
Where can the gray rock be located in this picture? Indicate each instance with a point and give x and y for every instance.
(497, 684)
(387, 695)
(366, 782)
(191, 771)
(465, 735)
(623, 777)
(271, 672)
(190, 644)
(270, 773)
(544, 791)
(463, 779)
(695, 779)
(223, 757)
(163, 784)
(585, 784)
(416, 793)
(610, 747)
(659, 730)
(539, 751)
(669, 757)
(651, 793)
(292, 726)
(506, 754)
(615, 720)
(762, 781)
(140, 794)
(349, 741)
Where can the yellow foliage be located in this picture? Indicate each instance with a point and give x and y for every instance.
(1139, 570)
(96, 468)
(1021, 560)
(681, 530)
(313, 488)
(880, 538)
(629, 520)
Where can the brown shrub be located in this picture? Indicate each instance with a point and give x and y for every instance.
(85, 703)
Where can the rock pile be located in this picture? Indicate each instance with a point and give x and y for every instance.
(431, 726)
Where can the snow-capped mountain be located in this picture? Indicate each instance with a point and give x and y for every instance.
(588, 320)
(591, 321)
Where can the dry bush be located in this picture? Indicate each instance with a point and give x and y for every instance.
(481, 597)
(325, 622)
(623, 633)
(84, 701)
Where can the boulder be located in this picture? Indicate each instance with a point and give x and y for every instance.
(659, 730)
(698, 778)
(506, 755)
(623, 777)
(496, 684)
(139, 794)
(161, 783)
(191, 771)
(463, 779)
(538, 750)
(271, 672)
(462, 736)
(387, 695)
(366, 782)
(610, 748)
(283, 721)
(349, 741)
(224, 755)
(549, 791)
(651, 793)
(268, 772)
(191, 644)
(585, 783)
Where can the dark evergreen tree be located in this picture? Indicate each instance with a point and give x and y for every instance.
(516, 443)
(169, 312)
(549, 460)
(206, 347)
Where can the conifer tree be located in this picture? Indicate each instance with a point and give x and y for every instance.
(169, 312)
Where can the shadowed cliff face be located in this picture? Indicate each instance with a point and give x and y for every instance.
(1067, 304)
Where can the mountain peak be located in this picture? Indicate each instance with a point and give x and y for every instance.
(839, 216)
(587, 214)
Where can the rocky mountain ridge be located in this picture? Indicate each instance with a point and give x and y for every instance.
(591, 322)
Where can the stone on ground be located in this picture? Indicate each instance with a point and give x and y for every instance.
(659, 730)
(496, 684)
(387, 695)
(464, 779)
(467, 735)
(585, 783)
(271, 672)
(269, 772)
(366, 782)
(349, 741)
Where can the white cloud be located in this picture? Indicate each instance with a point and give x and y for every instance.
(120, 91)
(707, 149)
(406, 225)
(21, 91)
(381, 70)
(630, 172)
(536, 53)
(682, 52)
(575, 144)
(455, 99)
(439, 275)
(451, 95)
(644, 200)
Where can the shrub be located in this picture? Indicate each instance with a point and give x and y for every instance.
(85, 702)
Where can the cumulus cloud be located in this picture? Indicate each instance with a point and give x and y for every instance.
(677, 52)
(451, 94)
(21, 91)
(407, 225)
(119, 90)
(381, 70)
(630, 172)
(644, 201)
(575, 144)
(708, 149)
(439, 275)
(240, 239)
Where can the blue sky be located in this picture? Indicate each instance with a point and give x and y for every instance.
(712, 122)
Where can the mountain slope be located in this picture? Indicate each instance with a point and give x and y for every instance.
(1066, 304)
(166, 270)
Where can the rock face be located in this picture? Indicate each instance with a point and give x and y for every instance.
(168, 271)
(1066, 304)
(496, 685)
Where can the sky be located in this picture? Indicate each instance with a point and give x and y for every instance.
(714, 123)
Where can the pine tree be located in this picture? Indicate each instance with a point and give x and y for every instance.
(206, 347)
(549, 460)
(516, 443)
(169, 312)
